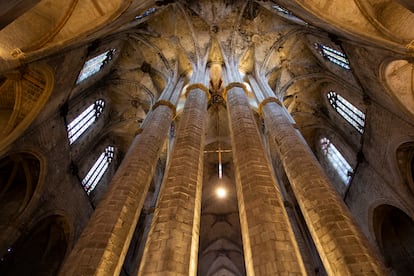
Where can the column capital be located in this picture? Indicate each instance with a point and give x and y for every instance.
(233, 85)
(266, 101)
(166, 103)
(197, 86)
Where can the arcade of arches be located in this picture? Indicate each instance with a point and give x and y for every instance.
(207, 137)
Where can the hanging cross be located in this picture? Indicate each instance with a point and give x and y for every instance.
(220, 165)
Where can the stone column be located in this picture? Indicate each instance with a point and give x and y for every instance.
(104, 242)
(268, 241)
(172, 245)
(342, 247)
(302, 238)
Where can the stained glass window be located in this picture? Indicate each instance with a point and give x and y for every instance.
(336, 160)
(94, 65)
(98, 170)
(146, 13)
(333, 55)
(84, 120)
(350, 113)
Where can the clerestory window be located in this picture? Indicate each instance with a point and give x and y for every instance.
(94, 65)
(281, 9)
(146, 13)
(84, 120)
(98, 169)
(336, 160)
(333, 55)
(288, 14)
(349, 112)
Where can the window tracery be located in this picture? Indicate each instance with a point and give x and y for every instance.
(94, 65)
(98, 169)
(334, 56)
(336, 160)
(84, 120)
(349, 112)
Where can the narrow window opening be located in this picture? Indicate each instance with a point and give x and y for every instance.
(349, 112)
(336, 160)
(146, 13)
(288, 14)
(333, 55)
(94, 65)
(98, 169)
(281, 9)
(84, 120)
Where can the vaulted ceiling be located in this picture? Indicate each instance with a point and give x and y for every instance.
(156, 41)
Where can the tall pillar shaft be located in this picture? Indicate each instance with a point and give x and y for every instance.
(268, 241)
(172, 245)
(341, 245)
(104, 242)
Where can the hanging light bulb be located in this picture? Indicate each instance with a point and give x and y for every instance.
(221, 192)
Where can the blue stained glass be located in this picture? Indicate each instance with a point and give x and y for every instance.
(146, 13)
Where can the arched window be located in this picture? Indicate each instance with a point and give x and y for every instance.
(98, 169)
(336, 160)
(94, 65)
(281, 9)
(333, 55)
(146, 13)
(350, 113)
(84, 120)
(288, 14)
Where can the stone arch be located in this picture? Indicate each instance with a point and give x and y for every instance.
(393, 230)
(368, 19)
(407, 4)
(56, 23)
(23, 95)
(390, 18)
(41, 250)
(21, 178)
(405, 162)
(222, 253)
(398, 78)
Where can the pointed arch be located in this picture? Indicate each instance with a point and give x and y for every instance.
(393, 230)
(348, 111)
(98, 169)
(40, 250)
(23, 96)
(57, 23)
